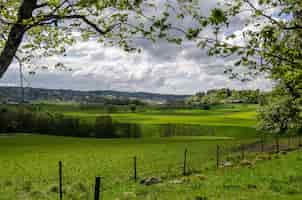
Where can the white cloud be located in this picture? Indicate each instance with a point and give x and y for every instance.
(161, 67)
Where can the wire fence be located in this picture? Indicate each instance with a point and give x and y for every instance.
(94, 183)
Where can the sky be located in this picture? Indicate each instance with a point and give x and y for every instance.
(160, 68)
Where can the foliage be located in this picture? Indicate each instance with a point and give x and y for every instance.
(22, 119)
(133, 108)
(48, 27)
(269, 45)
(279, 116)
(219, 96)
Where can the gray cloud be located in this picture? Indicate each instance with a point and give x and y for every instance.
(161, 67)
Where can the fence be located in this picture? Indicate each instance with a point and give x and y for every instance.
(67, 184)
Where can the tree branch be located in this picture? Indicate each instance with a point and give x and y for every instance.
(270, 18)
(16, 34)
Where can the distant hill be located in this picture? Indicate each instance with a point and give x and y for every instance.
(13, 94)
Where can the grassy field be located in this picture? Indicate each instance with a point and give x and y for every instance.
(29, 169)
(29, 163)
(237, 120)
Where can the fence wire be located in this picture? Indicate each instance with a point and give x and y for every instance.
(78, 183)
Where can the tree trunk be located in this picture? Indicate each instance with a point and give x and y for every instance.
(16, 34)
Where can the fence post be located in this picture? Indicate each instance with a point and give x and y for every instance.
(217, 156)
(262, 144)
(97, 188)
(135, 169)
(60, 181)
(277, 144)
(185, 162)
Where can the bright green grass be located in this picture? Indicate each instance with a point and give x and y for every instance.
(236, 120)
(29, 169)
(279, 178)
(29, 164)
(239, 115)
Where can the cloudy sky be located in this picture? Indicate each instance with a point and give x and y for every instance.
(160, 68)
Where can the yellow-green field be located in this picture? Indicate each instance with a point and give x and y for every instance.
(222, 120)
(29, 163)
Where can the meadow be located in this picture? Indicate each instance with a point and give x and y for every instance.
(232, 120)
(29, 163)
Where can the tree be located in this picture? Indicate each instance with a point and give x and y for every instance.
(269, 44)
(133, 108)
(39, 28)
(280, 116)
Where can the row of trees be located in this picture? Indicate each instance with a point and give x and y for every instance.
(226, 95)
(27, 121)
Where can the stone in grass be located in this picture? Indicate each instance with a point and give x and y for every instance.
(227, 164)
(151, 181)
(246, 163)
(263, 157)
(176, 181)
(201, 177)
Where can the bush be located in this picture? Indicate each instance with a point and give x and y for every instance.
(33, 121)
(104, 127)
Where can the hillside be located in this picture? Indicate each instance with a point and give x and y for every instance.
(14, 94)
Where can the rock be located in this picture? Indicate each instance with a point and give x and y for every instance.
(228, 164)
(177, 181)
(263, 157)
(151, 181)
(201, 177)
(246, 163)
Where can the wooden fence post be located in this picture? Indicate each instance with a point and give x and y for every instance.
(277, 143)
(60, 181)
(217, 156)
(262, 144)
(135, 169)
(97, 188)
(185, 163)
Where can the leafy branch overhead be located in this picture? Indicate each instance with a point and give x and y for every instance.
(269, 42)
(49, 26)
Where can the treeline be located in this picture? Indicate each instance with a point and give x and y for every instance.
(225, 95)
(27, 120)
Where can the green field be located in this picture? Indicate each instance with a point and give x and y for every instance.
(222, 120)
(29, 163)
